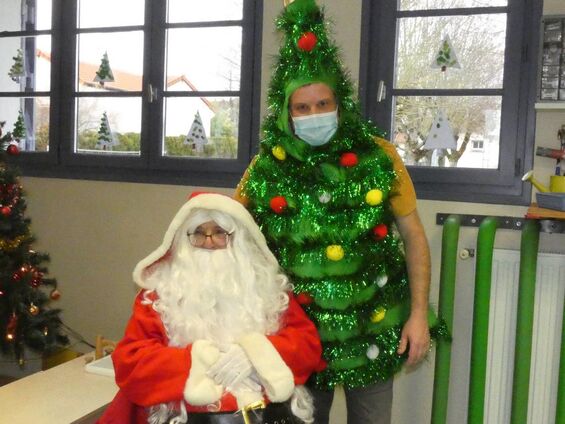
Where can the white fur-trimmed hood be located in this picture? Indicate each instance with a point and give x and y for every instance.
(210, 201)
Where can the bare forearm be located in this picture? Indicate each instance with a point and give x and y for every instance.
(417, 261)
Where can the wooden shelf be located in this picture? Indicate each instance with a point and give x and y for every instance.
(535, 212)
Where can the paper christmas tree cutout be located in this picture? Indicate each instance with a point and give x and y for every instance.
(106, 139)
(104, 72)
(441, 135)
(19, 132)
(446, 56)
(17, 70)
(196, 137)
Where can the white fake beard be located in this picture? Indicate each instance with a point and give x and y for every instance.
(218, 296)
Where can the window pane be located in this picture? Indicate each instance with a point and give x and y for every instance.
(25, 15)
(201, 127)
(196, 11)
(427, 130)
(448, 4)
(31, 127)
(116, 56)
(108, 125)
(477, 42)
(204, 59)
(25, 64)
(107, 13)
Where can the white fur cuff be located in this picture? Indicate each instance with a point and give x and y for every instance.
(274, 374)
(201, 389)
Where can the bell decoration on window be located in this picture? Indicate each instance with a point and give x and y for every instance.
(17, 71)
(106, 138)
(446, 56)
(104, 72)
(19, 132)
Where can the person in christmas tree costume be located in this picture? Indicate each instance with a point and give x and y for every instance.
(216, 335)
(328, 192)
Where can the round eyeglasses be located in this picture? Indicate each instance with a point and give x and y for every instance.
(219, 238)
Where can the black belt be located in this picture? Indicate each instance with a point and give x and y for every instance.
(273, 413)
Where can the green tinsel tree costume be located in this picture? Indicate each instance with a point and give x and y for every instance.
(325, 213)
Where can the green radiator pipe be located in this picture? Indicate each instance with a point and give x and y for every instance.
(447, 276)
(524, 322)
(483, 274)
(560, 413)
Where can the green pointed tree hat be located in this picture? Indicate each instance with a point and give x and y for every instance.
(306, 56)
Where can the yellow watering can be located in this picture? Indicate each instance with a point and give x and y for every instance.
(556, 183)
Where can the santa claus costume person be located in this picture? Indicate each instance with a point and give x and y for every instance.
(215, 335)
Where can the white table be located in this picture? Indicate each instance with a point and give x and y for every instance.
(60, 395)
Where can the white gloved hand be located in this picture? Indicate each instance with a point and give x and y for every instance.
(233, 367)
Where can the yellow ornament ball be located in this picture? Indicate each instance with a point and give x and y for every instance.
(335, 252)
(279, 152)
(374, 197)
(378, 315)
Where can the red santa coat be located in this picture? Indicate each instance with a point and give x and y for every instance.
(149, 372)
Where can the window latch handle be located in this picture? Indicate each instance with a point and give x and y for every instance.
(381, 91)
(153, 93)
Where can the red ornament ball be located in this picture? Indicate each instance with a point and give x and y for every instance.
(6, 210)
(13, 149)
(348, 159)
(380, 232)
(304, 299)
(278, 204)
(307, 41)
(55, 294)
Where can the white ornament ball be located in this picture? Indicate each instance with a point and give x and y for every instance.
(325, 197)
(373, 352)
(382, 280)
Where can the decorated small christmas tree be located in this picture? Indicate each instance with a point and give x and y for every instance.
(196, 137)
(17, 69)
(104, 72)
(106, 139)
(19, 132)
(446, 56)
(325, 214)
(26, 319)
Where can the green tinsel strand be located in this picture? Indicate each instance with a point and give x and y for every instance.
(380, 369)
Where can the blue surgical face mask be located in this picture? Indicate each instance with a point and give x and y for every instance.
(317, 129)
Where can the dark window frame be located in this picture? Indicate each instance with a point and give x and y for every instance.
(149, 167)
(503, 185)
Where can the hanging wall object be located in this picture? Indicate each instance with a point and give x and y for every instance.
(19, 132)
(445, 57)
(106, 139)
(441, 134)
(196, 138)
(17, 70)
(104, 72)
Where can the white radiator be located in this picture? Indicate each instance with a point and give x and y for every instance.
(546, 343)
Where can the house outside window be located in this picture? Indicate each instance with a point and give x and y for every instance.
(152, 91)
(439, 76)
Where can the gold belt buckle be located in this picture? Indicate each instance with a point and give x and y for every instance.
(260, 404)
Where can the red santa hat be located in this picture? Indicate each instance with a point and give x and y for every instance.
(210, 201)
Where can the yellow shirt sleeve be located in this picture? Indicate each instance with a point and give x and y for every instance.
(239, 195)
(403, 196)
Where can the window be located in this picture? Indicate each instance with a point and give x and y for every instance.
(451, 81)
(134, 90)
(25, 86)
